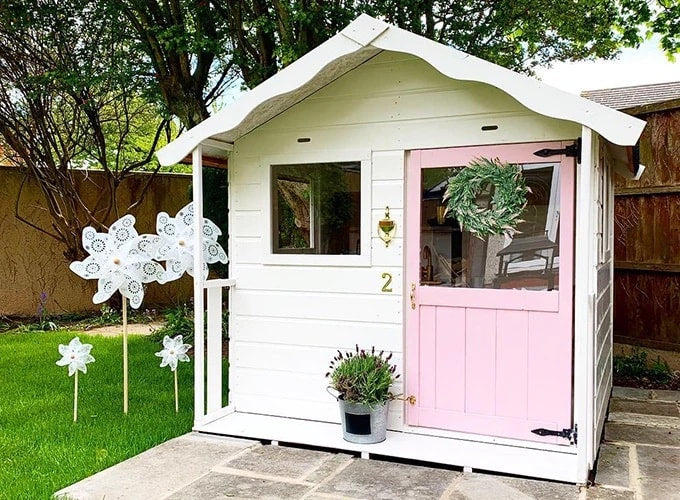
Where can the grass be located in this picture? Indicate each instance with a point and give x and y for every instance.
(41, 449)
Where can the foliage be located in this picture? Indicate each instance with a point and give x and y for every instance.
(216, 208)
(69, 98)
(180, 321)
(518, 34)
(507, 203)
(42, 450)
(108, 316)
(637, 365)
(363, 377)
(194, 51)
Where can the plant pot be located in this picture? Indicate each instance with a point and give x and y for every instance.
(362, 424)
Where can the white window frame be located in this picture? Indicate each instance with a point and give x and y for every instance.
(362, 260)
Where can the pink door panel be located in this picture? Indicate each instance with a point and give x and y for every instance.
(495, 361)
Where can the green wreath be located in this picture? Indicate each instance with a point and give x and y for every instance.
(507, 203)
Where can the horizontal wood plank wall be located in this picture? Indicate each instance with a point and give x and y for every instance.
(647, 241)
(286, 321)
(603, 308)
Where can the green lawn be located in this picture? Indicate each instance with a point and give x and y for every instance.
(41, 449)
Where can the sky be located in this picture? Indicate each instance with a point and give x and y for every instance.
(648, 64)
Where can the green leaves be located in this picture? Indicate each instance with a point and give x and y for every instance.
(363, 377)
(506, 205)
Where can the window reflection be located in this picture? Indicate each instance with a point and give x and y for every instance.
(529, 259)
(316, 208)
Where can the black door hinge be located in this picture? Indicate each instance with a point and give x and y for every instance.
(569, 434)
(573, 150)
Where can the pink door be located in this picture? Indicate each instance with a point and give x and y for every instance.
(489, 321)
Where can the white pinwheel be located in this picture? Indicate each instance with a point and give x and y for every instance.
(75, 355)
(174, 350)
(120, 260)
(176, 245)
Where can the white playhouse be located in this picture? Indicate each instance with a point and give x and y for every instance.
(339, 235)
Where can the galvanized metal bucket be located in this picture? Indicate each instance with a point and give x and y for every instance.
(360, 423)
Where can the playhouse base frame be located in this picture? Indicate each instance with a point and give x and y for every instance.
(557, 463)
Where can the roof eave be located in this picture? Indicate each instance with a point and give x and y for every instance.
(365, 32)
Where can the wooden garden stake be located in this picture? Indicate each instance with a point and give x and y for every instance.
(75, 398)
(125, 357)
(176, 394)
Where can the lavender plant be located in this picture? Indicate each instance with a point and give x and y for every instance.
(363, 377)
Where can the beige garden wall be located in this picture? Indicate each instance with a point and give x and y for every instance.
(32, 263)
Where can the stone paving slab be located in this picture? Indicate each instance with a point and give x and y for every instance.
(613, 465)
(644, 420)
(488, 486)
(609, 494)
(282, 461)
(645, 394)
(660, 472)
(650, 407)
(222, 486)
(157, 472)
(373, 479)
(661, 436)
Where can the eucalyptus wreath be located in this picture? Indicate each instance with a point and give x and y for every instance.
(507, 203)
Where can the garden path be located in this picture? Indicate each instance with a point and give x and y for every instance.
(640, 460)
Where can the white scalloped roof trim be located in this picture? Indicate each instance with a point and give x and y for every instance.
(362, 39)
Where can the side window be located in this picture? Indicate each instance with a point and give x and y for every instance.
(603, 202)
(316, 208)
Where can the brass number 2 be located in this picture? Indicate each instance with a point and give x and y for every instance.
(386, 287)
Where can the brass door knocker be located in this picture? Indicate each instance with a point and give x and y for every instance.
(386, 228)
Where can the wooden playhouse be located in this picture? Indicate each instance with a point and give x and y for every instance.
(504, 342)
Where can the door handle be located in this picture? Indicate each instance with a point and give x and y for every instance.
(413, 295)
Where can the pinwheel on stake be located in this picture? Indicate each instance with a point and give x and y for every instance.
(121, 260)
(76, 356)
(174, 350)
(176, 243)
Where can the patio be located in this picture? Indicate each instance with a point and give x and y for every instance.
(639, 460)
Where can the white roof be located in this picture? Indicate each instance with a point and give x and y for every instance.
(360, 40)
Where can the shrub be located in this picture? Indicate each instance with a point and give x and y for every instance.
(180, 321)
(363, 377)
(637, 365)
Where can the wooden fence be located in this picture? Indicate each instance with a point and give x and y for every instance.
(32, 264)
(647, 241)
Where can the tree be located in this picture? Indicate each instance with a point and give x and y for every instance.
(517, 34)
(68, 98)
(186, 49)
(197, 48)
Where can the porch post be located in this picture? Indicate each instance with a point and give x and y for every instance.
(199, 308)
(583, 305)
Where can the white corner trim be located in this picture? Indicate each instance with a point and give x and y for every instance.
(365, 32)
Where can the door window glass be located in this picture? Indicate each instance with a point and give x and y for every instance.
(528, 259)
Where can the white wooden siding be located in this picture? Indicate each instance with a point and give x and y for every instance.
(286, 321)
(399, 102)
(603, 306)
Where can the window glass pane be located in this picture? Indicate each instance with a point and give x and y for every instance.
(316, 208)
(529, 259)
